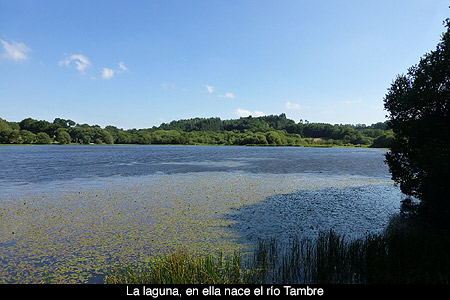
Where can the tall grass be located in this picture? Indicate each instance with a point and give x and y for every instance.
(181, 267)
(401, 254)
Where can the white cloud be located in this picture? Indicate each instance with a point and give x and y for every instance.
(15, 51)
(107, 73)
(228, 95)
(81, 62)
(292, 106)
(240, 112)
(122, 67)
(210, 88)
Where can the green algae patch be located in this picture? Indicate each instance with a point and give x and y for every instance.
(74, 232)
(77, 231)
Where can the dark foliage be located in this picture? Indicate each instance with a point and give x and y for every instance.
(418, 105)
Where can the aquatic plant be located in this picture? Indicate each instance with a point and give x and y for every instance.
(181, 267)
(79, 231)
(76, 232)
(395, 256)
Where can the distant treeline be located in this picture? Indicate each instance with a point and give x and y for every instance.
(276, 130)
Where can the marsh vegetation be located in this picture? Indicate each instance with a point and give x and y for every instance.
(400, 255)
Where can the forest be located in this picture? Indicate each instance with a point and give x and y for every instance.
(270, 130)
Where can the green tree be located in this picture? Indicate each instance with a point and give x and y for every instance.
(64, 123)
(5, 131)
(418, 104)
(123, 137)
(384, 140)
(36, 126)
(114, 132)
(28, 137)
(63, 137)
(15, 137)
(106, 137)
(274, 138)
(43, 138)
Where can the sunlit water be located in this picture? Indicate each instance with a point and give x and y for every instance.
(68, 212)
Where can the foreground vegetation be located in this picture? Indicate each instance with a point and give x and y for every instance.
(267, 130)
(405, 253)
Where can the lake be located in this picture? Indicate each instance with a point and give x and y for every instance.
(69, 212)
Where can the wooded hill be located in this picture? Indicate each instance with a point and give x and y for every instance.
(276, 130)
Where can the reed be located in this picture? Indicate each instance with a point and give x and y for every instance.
(400, 255)
(182, 267)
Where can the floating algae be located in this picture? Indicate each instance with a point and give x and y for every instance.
(71, 231)
(74, 231)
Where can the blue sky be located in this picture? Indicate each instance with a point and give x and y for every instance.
(136, 64)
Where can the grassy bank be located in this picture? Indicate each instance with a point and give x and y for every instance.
(404, 253)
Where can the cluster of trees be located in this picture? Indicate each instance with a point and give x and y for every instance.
(279, 130)
(266, 130)
(30, 131)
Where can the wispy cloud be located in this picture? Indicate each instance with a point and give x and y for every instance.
(240, 112)
(122, 67)
(292, 106)
(172, 86)
(81, 62)
(108, 73)
(15, 51)
(210, 88)
(228, 95)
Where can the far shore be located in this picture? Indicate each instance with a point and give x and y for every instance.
(249, 145)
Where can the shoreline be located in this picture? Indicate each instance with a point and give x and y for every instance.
(219, 145)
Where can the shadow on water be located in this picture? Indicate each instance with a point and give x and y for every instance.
(353, 212)
(314, 236)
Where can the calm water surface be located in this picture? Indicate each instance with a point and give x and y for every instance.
(49, 163)
(64, 206)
